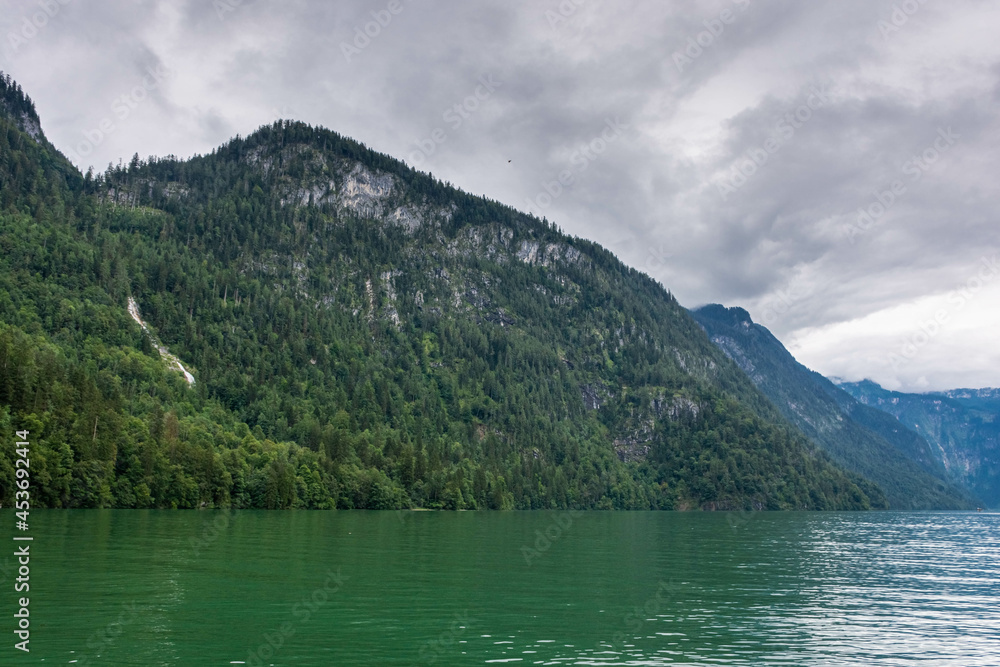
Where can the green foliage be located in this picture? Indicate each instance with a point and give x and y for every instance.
(345, 362)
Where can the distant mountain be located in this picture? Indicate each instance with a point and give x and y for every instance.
(963, 425)
(862, 439)
(296, 320)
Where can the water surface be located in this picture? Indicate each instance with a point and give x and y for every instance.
(520, 588)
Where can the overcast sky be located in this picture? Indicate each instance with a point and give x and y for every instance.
(724, 147)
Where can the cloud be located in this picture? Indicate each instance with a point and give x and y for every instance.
(780, 243)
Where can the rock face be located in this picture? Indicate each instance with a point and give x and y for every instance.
(861, 439)
(592, 397)
(31, 125)
(349, 189)
(638, 431)
(962, 425)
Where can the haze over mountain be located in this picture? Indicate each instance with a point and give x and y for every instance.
(862, 439)
(357, 334)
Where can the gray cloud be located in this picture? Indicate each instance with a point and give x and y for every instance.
(780, 244)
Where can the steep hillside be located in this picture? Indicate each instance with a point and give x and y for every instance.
(962, 425)
(357, 334)
(862, 439)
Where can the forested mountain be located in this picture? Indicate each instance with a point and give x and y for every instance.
(860, 438)
(360, 335)
(962, 425)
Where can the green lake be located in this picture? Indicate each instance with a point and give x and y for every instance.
(132, 587)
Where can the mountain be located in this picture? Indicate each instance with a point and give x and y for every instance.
(860, 438)
(962, 425)
(296, 320)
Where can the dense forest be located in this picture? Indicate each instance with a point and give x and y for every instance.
(361, 335)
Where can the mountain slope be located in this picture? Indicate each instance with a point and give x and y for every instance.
(858, 437)
(360, 335)
(962, 425)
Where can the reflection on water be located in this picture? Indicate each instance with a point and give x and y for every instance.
(360, 588)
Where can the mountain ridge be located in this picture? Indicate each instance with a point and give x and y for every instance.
(361, 336)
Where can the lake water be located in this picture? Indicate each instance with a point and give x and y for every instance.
(431, 588)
